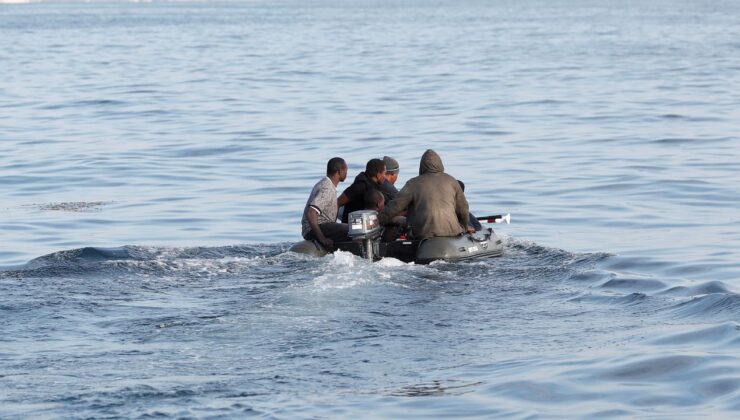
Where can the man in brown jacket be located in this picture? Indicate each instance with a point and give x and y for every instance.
(435, 202)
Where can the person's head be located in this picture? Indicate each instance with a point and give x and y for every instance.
(336, 167)
(430, 163)
(375, 170)
(374, 200)
(462, 185)
(391, 169)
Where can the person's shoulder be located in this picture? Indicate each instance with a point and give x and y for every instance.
(411, 183)
(448, 177)
(361, 183)
(324, 183)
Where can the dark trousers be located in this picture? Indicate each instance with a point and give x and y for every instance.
(337, 232)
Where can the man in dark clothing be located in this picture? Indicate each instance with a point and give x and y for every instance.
(472, 221)
(435, 202)
(353, 198)
(320, 214)
(388, 187)
(374, 200)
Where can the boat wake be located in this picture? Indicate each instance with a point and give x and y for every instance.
(538, 325)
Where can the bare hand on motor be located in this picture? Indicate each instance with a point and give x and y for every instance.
(470, 229)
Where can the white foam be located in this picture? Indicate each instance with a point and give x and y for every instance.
(392, 262)
(343, 258)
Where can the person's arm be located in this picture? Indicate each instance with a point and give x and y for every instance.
(348, 194)
(474, 223)
(462, 210)
(397, 206)
(313, 222)
(342, 200)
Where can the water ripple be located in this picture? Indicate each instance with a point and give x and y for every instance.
(193, 132)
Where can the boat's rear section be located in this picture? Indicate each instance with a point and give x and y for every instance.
(460, 248)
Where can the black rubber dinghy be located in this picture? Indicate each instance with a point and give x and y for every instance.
(482, 244)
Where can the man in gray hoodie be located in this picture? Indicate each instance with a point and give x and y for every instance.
(435, 202)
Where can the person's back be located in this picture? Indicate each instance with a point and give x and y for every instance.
(436, 204)
(433, 212)
(353, 198)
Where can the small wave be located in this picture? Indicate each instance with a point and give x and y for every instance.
(677, 141)
(672, 116)
(651, 369)
(592, 276)
(542, 392)
(73, 206)
(84, 254)
(717, 388)
(719, 335)
(159, 261)
(679, 117)
(519, 246)
(725, 306)
(541, 102)
(633, 284)
(208, 151)
(705, 288)
(636, 264)
(630, 299)
(84, 103)
(435, 388)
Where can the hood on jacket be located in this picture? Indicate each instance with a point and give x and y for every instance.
(431, 163)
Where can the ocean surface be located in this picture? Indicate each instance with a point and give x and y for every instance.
(156, 158)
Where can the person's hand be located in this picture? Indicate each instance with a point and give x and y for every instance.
(327, 243)
(470, 229)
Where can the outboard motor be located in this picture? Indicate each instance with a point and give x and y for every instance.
(364, 227)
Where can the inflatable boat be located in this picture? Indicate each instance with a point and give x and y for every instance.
(365, 232)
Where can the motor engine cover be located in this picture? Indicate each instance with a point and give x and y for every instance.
(363, 224)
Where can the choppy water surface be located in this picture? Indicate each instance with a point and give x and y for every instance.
(156, 158)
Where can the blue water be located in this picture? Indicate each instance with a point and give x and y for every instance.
(156, 158)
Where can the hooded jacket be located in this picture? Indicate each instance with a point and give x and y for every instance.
(435, 202)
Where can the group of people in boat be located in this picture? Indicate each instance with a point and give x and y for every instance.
(429, 205)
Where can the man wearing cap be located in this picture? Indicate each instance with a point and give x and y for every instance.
(391, 176)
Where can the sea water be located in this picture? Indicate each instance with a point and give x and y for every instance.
(156, 159)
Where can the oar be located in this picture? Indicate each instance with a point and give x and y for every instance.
(496, 218)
